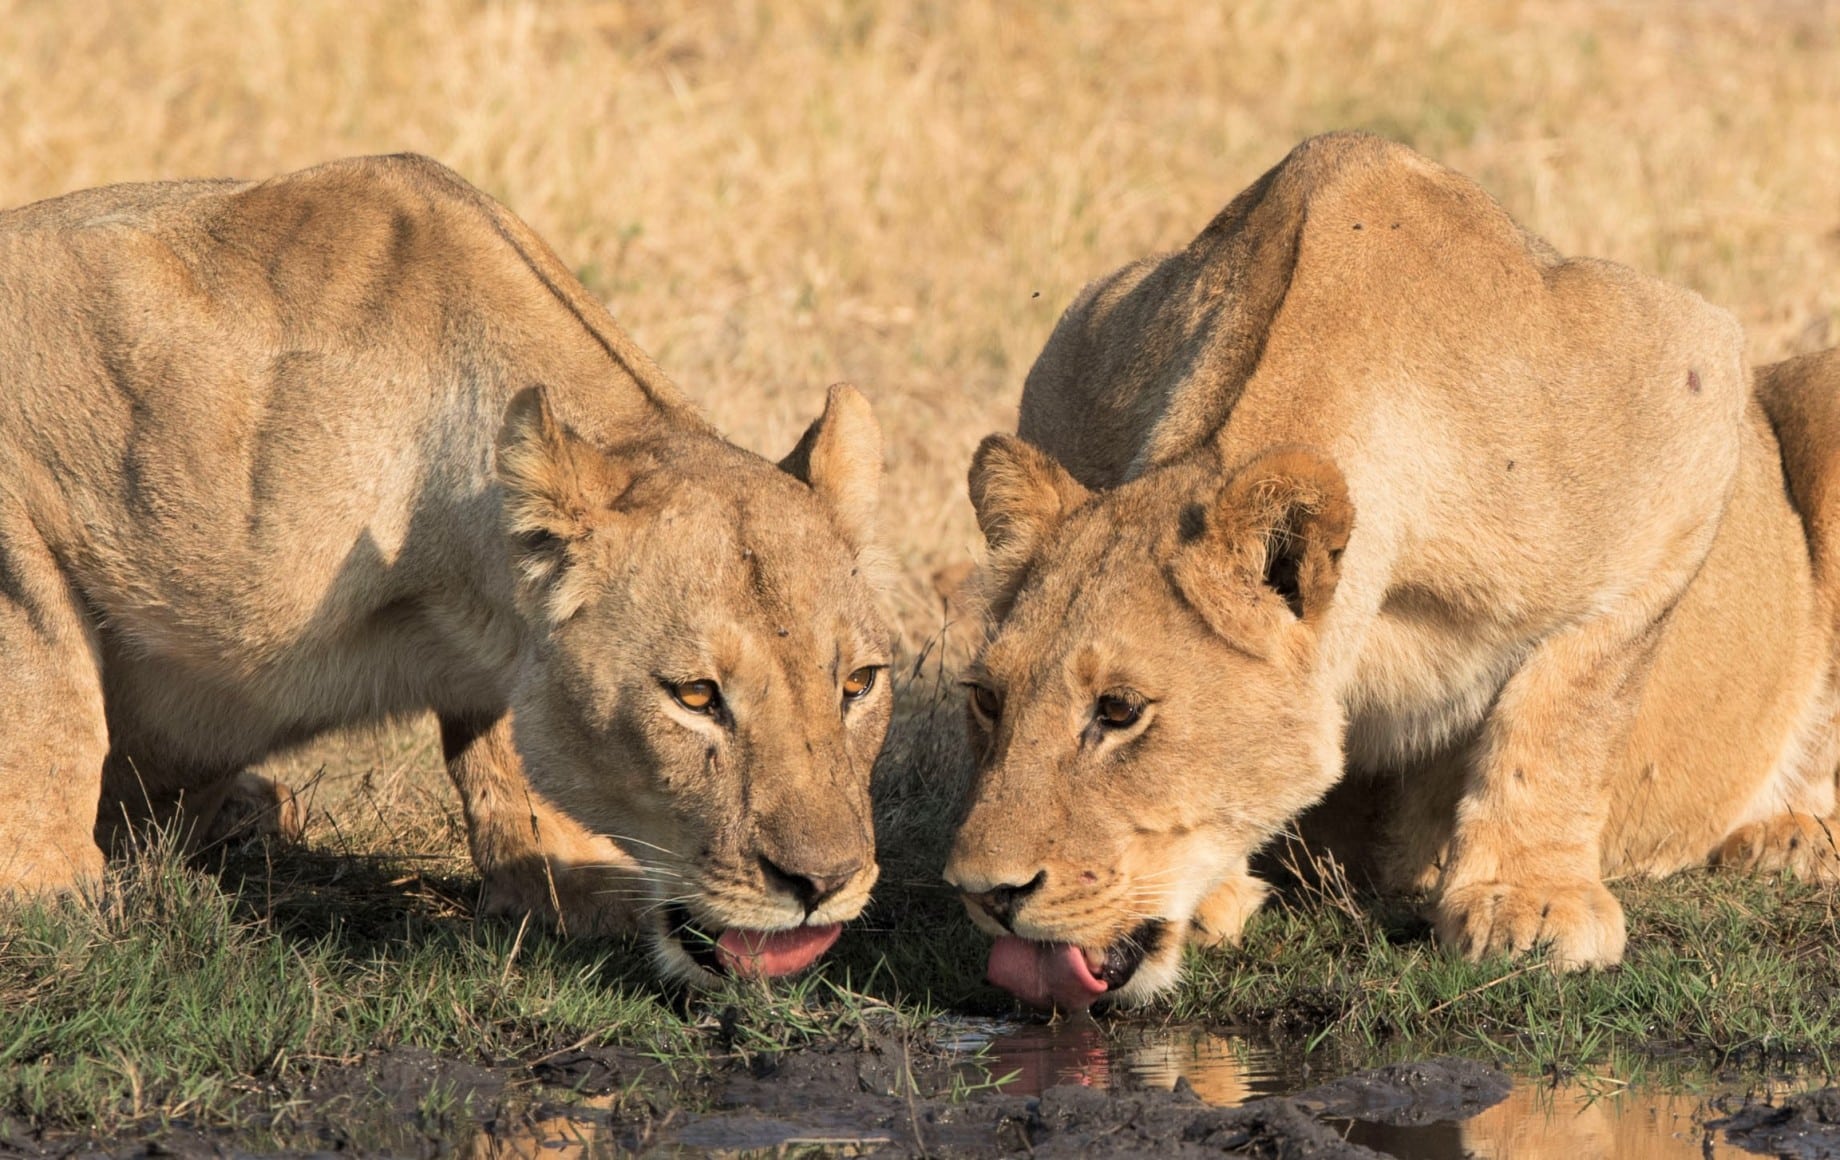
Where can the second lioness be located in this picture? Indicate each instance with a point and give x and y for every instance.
(1392, 487)
(283, 456)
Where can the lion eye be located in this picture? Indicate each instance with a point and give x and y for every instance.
(985, 701)
(698, 696)
(857, 685)
(1115, 712)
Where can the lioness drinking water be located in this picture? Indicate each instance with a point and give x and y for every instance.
(1369, 481)
(351, 443)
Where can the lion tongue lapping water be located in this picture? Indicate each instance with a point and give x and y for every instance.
(759, 954)
(1343, 487)
(1045, 974)
(622, 622)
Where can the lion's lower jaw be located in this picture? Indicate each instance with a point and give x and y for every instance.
(674, 964)
(1153, 979)
(684, 952)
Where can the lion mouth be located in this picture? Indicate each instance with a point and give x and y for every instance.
(750, 954)
(1069, 977)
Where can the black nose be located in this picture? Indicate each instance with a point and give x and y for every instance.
(1002, 902)
(810, 889)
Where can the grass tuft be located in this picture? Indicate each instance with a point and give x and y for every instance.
(1723, 969)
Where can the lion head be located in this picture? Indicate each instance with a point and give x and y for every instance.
(707, 683)
(1148, 711)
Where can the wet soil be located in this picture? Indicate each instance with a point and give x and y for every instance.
(885, 1094)
(879, 1098)
(1800, 1127)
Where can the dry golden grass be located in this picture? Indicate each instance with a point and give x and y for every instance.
(776, 195)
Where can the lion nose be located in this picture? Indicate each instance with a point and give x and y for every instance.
(1002, 902)
(811, 889)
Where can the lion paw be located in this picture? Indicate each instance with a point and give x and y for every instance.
(1579, 922)
(255, 807)
(593, 900)
(1808, 847)
(1223, 914)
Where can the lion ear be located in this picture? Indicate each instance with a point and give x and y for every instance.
(1021, 495)
(1277, 529)
(840, 458)
(557, 489)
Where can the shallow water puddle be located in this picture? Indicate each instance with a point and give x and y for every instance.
(1538, 1120)
(1582, 1120)
(1222, 1069)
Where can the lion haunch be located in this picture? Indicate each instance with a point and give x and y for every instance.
(279, 457)
(1369, 482)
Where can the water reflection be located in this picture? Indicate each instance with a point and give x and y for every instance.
(555, 1137)
(1222, 1069)
(574, 1134)
(1583, 1120)
(1574, 1121)
(1541, 1121)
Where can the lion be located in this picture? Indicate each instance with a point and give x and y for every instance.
(352, 443)
(1367, 481)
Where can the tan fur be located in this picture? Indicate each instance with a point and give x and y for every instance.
(1391, 488)
(351, 443)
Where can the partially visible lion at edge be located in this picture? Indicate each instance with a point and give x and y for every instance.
(352, 443)
(1368, 482)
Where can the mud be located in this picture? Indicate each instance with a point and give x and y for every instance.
(880, 1095)
(880, 1098)
(874, 1093)
(1800, 1127)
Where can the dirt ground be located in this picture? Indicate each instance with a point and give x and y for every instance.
(875, 1094)
(878, 1095)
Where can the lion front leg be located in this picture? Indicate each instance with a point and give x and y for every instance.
(1524, 867)
(256, 807)
(53, 732)
(1417, 831)
(534, 858)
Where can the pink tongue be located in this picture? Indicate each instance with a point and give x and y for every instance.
(1043, 974)
(757, 954)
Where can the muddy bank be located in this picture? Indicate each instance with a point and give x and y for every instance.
(867, 1093)
(879, 1095)
(1800, 1127)
(810, 1098)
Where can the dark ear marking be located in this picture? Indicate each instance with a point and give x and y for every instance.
(1278, 526)
(539, 540)
(1283, 560)
(1191, 525)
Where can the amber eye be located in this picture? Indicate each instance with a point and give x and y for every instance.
(1115, 712)
(698, 696)
(857, 685)
(985, 701)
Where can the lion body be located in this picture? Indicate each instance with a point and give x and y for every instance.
(250, 490)
(1733, 734)
(1540, 564)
